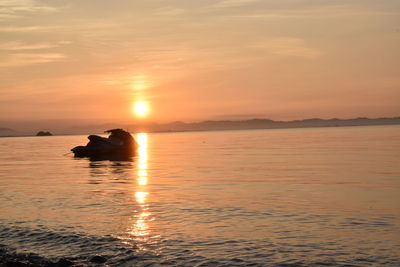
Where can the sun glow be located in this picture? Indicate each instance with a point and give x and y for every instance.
(141, 108)
(140, 82)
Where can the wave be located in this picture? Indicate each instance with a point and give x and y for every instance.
(26, 244)
(40, 246)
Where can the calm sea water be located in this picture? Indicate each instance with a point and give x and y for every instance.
(321, 196)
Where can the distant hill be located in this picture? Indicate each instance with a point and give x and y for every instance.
(260, 124)
(88, 127)
(7, 132)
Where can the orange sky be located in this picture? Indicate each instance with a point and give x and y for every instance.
(194, 60)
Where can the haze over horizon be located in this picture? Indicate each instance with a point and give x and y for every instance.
(198, 60)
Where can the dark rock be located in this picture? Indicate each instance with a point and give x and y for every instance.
(64, 263)
(98, 259)
(42, 133)
(119, 145)
(14, 263)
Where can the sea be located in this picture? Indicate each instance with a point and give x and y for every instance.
(277, 197)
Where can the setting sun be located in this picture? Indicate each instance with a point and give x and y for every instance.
(141, 108)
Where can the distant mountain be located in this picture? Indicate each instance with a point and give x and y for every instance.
(260, 124)
(7, 132)
(88, 127)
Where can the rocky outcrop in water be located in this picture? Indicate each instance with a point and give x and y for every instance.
(11, 258)
(119, 143)
(98, 259)
(43, 133)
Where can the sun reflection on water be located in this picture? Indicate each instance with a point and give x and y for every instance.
(140, 227)
(142, 160)
(141, 197)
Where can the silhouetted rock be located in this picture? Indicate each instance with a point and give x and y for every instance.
(10, 258)
(64, 263)
(98, 259)
(17, 264)
(42, 133)
(119, 143)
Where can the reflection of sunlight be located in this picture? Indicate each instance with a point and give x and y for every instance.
(142, 177)
(142, 160)
(142, 165)
(142, 173)
(140, 227)
(142, 140)
(141, 197)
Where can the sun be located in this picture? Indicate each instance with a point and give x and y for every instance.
(141, 108)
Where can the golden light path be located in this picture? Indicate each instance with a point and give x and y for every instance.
(140, 228)
(142, 160)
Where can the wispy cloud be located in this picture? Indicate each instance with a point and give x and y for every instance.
(25, 28)
(15, 54)
(325, 11)
(16, 46)
(7, 16)
(288, 46)
(12, 9)
(169, 11)
(233, 3)
(25, 59)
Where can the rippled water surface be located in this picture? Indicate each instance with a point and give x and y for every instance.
(321, 196)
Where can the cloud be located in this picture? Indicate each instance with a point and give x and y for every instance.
(288, 46)
(5, 16)
(16, 46)
(129, 82)
(25, 59)
(317, 11)
(169, 11)
(21, 54)
(233, 3)
(12, 9)
(25, 28)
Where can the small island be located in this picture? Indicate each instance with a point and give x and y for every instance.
(43, 133)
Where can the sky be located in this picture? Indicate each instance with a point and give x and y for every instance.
(192, 60)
